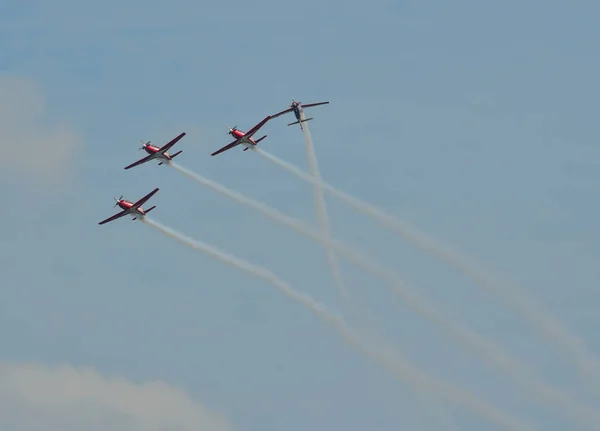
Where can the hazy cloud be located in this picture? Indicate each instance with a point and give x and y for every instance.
(37, 397)
(32, 143)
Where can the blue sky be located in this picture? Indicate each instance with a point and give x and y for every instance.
(475, 122)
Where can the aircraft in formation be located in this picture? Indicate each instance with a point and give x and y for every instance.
(134, 209)
(157, 153)
(297, 107)
(161, 154)
(242, 138)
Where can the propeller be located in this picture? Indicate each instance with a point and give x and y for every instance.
(118, 200)
(231, 129)
(143, 144)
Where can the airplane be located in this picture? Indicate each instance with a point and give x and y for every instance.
(296, 107)
(157, 153)
(242, 138)
(134, 209)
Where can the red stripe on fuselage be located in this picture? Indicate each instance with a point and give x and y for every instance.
(151, 149)
(239, 134)
(127, 205)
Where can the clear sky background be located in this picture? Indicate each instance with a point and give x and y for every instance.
(478, 123)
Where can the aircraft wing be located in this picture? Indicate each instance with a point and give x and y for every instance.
(255, 129)
(308, 105)
(285, 111)
(116, 216)
(144, 160)
(170, 144)
(227, 147)
(143, 200)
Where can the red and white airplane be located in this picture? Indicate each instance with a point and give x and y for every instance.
(297, 107)
(242, 138)
(134, 209)
(157, 153)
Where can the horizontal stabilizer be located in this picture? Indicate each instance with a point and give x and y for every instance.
(150, 209)
(296, 122)
(260, 139)
(176, 154)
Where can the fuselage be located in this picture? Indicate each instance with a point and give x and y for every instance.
(127, 205)
(151, 149)
(237, 134)
(297, 109)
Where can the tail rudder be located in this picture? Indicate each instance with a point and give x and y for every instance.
(172, 156)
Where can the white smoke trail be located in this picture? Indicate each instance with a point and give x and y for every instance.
(569, 345)
(488, 350)
(399, 367)
(323, 217)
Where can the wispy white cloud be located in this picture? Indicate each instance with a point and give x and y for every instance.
(32, 143)
(35, 397)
